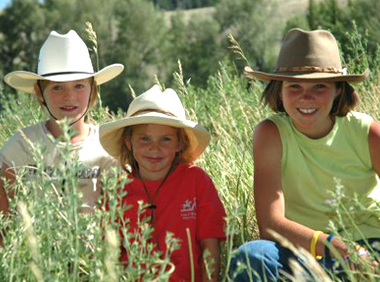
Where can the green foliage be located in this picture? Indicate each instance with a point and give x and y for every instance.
(248, 22)
(183, 4)
(20, 35)
(195, 46)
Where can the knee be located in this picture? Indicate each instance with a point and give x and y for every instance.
(260, 256)
(257, 250)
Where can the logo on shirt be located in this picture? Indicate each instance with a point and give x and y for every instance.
(189, 209)
(84, 173)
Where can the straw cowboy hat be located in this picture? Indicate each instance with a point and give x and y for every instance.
(62, 58)
(155, 107)
(308, 55)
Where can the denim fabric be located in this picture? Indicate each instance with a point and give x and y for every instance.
(267, 261)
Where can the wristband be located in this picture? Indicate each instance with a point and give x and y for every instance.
(313, 243)
(327, 247)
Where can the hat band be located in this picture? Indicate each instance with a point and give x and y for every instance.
(152, 110)
(312, 69)
(66, 72)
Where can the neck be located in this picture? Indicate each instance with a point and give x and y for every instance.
(155, 176)
(81, 130)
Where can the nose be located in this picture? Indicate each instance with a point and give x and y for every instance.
(307, 95)
(154, 145)
(68, 93)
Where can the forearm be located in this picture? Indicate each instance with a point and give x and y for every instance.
(210, 272)
(4, 204)
(301, 236)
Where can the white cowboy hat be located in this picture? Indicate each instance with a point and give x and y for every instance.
(62, 58)
(155, 107)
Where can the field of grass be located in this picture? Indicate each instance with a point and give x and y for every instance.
(48, 240)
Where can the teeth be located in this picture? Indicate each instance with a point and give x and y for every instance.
(307, 111)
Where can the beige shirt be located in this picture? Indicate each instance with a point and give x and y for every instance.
(35, 142)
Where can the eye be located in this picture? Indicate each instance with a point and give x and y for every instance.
(79, 86)
(56, 87)
(166, 139)
(294, 86)
(144, 138)
(320, 86)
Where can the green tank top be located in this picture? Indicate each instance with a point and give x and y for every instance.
(315, 171)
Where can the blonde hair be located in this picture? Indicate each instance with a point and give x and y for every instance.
(128, 162)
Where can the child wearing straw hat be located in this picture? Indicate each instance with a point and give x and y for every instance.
(66, 85)
(159, 144)
(313, 143)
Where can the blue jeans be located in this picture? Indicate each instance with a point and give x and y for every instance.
(266, 261)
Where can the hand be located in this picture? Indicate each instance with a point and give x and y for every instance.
(362, 264)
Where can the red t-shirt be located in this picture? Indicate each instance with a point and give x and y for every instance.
(187, 199)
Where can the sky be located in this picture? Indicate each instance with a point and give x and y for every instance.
(4, 3)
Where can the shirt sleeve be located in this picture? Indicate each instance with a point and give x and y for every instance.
(13, 151)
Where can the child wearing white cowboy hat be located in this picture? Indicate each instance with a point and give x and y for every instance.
(157, 141)
(313, 139)
(66, 85)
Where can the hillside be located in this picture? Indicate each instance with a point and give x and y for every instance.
(286, 11)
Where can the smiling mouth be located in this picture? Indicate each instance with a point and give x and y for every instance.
(68, 108)
(307, 111)
(153, 160)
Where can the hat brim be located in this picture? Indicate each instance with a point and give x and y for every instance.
(312, 76)
(24, 80)
(111, 133)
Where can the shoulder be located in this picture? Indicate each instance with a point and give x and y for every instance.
(266, 135)
(31, 133)
(361, 119)
(192, 170)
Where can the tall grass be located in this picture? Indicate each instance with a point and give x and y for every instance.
(49, 240)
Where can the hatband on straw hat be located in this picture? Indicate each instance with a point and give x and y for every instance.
(308, 55)
(62, 57)
(155, 107)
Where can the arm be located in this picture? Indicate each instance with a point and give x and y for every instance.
(212, 245)
(8, 175)
(269, 197)
(374, 145)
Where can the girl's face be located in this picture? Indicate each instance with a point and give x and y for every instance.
(67, 99)
(309, 105)
(154, 147)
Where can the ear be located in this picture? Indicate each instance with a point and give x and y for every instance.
(338, 91)
(179, 147)
(37, 90)
(128, 143)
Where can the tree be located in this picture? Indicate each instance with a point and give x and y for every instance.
(140, 37)
(196, 43)
(22, 31)
(254, 24)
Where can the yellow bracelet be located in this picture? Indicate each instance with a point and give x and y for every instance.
(313, 243)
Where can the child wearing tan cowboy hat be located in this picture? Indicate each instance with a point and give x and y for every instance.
(159, 144)
(313, 140)
(66, 85)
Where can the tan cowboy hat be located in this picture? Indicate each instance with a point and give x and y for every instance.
(308, 55)
(155, 107)
(62, 58)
